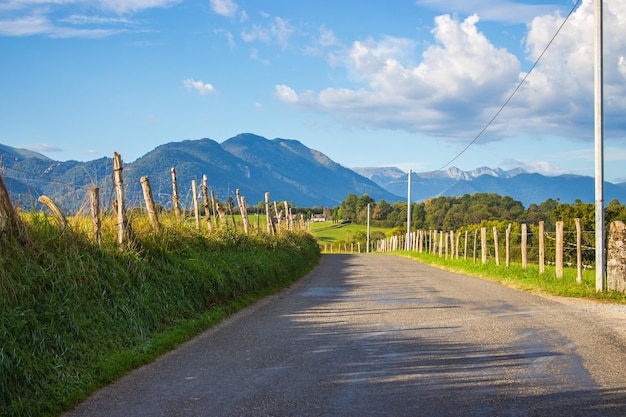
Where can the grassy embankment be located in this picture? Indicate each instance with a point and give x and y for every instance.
(528, 279)
(75, 316)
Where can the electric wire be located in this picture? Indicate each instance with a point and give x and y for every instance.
(490, 122)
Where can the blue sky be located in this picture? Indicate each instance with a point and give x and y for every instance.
(377, 83)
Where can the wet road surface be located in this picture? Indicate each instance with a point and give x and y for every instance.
(378, 335)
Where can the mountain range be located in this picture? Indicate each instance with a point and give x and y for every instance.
(528, 188)
(285, 167)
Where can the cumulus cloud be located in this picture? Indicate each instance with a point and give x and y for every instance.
(559, 93)
(226, 8)
(286, 94)
(461, 74)
(199, 86)
(460, 81)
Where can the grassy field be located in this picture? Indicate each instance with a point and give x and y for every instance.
(329, 233)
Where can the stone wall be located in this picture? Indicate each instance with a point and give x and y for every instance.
(616, 257)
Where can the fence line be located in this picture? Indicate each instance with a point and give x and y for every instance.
(11, 224)
(447, 244)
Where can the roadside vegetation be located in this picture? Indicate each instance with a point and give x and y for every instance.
(75, 316)
(529, 279)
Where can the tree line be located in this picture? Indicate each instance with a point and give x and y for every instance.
(471, 212)
(454, 213)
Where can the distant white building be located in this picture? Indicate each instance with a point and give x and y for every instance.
(319, 218)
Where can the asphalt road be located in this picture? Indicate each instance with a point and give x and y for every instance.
(377, 335)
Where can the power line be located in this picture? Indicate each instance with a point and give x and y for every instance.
(490, 122)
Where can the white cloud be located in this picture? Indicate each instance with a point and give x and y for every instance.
(38, 17)
(41, 25)
(461, 80)
(226, 8)
(43, 147)
(279, 31)
(541, 167)
(327, 37)
(286, 94)
(558, 95)
(25, 26)
(201, 87)
(133, 6)
(459, 77)
(79, 19)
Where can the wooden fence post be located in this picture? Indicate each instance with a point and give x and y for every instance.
(205, 202)
(465, 250)
(542, 248)
(175, 203)
(524, 246)
(196, 211)
(496, 245)
(441, 242)
(229, 205)
(475, 242)
(458, 239)
(558, 261)
(150, 207)
(216, 212)
(288, 221)
(483, 244)
(271, 228)
(244, 207)
(242, 210)
(94, 199)
(279, 216)
(56, 211)
(9, 220)
(507, 238)
(430, 241)
(122, 224)
(579, 253)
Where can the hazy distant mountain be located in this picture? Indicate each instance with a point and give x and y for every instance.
(518, 184)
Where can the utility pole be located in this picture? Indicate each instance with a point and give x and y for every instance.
(408, 216)
(368, 228)
(599, 147)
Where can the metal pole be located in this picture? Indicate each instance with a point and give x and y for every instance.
(368, 228)
(408, 216)
(599, 147)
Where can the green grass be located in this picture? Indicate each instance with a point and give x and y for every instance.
(75, 316)
(528, 280)
(328, 233)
